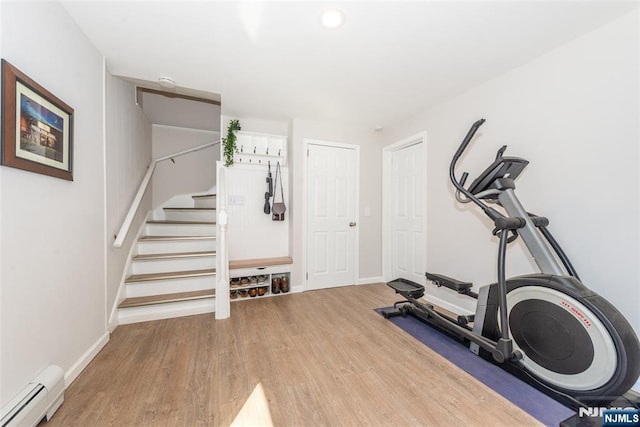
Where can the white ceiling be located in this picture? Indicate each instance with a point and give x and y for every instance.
(390, 59)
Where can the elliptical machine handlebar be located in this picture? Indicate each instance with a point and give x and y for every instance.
(489, 211)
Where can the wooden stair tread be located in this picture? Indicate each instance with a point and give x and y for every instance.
(167, 298)
(165, 221)
(171, 275)
(174, 255)
(259, 262)
(189, 209)
(160, 238)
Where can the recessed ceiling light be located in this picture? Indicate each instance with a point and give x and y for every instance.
(332, 18)
(167, 82)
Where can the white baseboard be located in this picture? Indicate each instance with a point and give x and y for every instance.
(447, 305)
(369, 280)
(85, 359)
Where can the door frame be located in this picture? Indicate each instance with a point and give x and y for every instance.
(305, 213)
(387, 186)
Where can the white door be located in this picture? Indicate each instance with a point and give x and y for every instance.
(331, 216)
(408, 244)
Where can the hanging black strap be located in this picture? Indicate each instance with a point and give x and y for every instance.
(269, 193)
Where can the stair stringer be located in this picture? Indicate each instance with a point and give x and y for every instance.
(133, 250)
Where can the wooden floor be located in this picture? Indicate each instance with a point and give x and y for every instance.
(321, 358)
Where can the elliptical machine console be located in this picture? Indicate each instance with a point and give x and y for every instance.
(547, 327)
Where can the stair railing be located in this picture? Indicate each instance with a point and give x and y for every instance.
(223, 302)
(135, 205)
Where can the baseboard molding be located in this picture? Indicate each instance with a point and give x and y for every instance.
(439, 302)
(369, 280)
(85, 359)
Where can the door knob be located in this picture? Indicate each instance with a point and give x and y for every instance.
(352, 224)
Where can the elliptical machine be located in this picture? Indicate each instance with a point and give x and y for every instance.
(548, 328)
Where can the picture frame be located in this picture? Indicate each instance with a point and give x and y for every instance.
(37, 134)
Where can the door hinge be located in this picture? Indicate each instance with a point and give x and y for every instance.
(307, 152)
(307, 276)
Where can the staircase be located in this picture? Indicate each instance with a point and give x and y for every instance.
(173, 271)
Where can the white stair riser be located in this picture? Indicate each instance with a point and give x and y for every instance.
(180, 229)
(173, 246)
(189, 215)
(204, 202)
(165, 311)
(169, 286)
(167, 265)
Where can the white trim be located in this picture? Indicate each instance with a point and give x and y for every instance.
(370, 280)
(105, 230)
(447, 305)
(84, 360)
(114, 320)
(305, 171)
(387, 151)
(221, 284)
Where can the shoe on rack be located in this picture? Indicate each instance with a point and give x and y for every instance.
(253, 292)
(284, 284)
(262, 290)
(275, 285)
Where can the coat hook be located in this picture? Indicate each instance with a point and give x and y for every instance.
(278, 152)
(267, 151)
(254, 150)
(242, 148)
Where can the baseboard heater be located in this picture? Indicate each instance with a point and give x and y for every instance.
(39, 399)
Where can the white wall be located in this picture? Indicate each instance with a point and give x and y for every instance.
(192, 172)
(370, 243)
(252, 233)
(52, 281)
(128, 136)
(574, 114)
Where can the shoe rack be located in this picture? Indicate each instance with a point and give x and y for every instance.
(257, 282)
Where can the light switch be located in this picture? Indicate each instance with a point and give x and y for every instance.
(235, 200)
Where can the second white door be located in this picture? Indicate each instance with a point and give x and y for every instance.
(331, 216)
(408, 213)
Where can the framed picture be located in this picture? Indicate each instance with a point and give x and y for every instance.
(37, 133)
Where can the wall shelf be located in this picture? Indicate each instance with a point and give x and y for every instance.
(260, 149)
